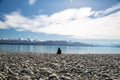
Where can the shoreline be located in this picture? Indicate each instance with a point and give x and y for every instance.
(45, 66)
(64, 53)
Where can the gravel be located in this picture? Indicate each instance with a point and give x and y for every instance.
(44, 66)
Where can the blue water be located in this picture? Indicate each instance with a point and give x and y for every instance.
(53, 49)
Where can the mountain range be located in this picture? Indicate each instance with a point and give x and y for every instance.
(51, 43)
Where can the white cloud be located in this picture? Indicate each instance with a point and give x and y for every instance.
(107, 11)
(2, 25)
(73, 22)
(31, 2)
(40, 11)
(71, 1)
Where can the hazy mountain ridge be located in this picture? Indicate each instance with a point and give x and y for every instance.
(51, 43)
(34, 42)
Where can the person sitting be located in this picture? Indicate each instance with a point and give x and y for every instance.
(59, 51)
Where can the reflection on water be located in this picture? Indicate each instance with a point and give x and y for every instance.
(53, 49)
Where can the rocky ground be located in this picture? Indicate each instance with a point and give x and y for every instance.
(33, 66)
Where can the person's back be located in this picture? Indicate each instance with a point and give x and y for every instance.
(59, 51)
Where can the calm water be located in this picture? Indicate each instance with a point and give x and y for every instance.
(53, 49)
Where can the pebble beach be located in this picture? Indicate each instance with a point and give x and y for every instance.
(44, 66)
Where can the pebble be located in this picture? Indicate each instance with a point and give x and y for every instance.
(13, 78)
(25, 77)
(32, 66)
(53, 77)
(64, 78)
(45, 71)
(2, 77)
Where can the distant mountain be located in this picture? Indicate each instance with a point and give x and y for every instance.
(34, 42)
(53, 43)
(115, 45)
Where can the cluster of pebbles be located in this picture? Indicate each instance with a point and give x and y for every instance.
(33, 66)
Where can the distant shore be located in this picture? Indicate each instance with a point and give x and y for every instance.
(31, 66)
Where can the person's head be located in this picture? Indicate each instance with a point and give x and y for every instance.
(59, 48)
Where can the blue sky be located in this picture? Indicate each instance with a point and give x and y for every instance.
(60, 19)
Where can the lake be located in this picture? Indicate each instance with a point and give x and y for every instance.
(53, 49)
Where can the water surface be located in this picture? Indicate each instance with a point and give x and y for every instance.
(53, 49)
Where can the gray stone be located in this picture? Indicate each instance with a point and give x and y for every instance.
(25, 77)
(2, 77)
(13, 78)
(53, 77)
(64, 78)
(45, 71)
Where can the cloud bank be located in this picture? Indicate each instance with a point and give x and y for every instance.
(75, 23)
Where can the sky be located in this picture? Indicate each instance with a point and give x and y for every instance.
(60, 19)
